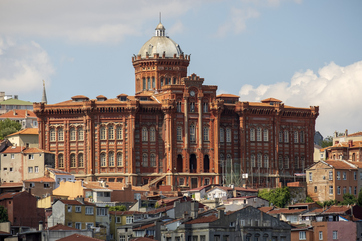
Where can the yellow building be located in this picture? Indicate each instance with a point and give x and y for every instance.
(119, 218)
(26, 138)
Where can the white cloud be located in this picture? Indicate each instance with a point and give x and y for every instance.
(85, 20)
(23, 66)
(335, 89)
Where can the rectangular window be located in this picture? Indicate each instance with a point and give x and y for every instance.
(12, 156)
(46, 185)
(331, 190)
(89, 210)
(350, 190)
(302, 235)
(101, 212)
(338, 175)
(118, 220)
(31, 156)
(10, 169)
(129, 219)
(335, 234)
(344, 176)
(330, 175)
(70, 224)
(69, 209)
(339, 190)
(36, 169)
(310, 176)
(344, 190)
(78, 209)
(30, 169)
(78, 225)
(355, 175)
(320, 235)
(32, 184)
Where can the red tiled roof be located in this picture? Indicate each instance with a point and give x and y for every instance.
(27, 131)
(11, 184)
(35, 150)
(355, 134)
(80, 97)
(61, 227)
(286, 211)
(78, 237)
(266, 209)
(227, 96)
(206, 219)
(198, 188)
(21, 114)
(339, 164)
(13, 149)
(8, 195)
(40, 179)
(271, 100)
(337, 209)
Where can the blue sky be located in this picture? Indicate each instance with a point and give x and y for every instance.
(303, 52)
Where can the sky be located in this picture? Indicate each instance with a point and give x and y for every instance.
(302, 52)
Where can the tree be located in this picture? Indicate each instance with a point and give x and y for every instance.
(328, 141)
(309, 199)
(8, 127)
(359, 200)
(278, 196)
(3, 214)
(348, 199)
(118, 208)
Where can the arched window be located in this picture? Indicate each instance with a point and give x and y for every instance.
(179, 133)
(148, 83)
(174, 80)
(286, 136)
(258, 134)
(145, 160)
(72, 134)
(161, 82)
(206, 133)
(72, 160)
(302, 137)
(144, 83)
(153, 160)
(119, 159)
(178, 104)
(280, 136)
(252, 159)
(103, 160)
(286, 164)
(296, 137)
(110, 132)
(103, 133)
(252, 134)
(192, 132)
(266, 161)
(52, 134)
(192, 106)
(119, 133)
(296, 162)
(144, 134)
(206, 107)
(60, 134)
(80, 134)
(266, 135)
(152, 134)
(222, 135)
(280, 162)
(260, 160)
(153, 82)
(228, 135)
(60, 161)
(80, 160)
(111, 158)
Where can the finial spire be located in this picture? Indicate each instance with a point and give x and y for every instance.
(160, 17)
(44, 97)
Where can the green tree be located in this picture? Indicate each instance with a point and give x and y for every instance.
(3, 214)
(309, 199)
(328, 141)
(118, 208)
(8, 127)
(348, 199)
(359, 200)
(279, 196)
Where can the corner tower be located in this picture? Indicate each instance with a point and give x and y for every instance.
(159, 62)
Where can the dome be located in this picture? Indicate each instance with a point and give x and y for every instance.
(159, 44)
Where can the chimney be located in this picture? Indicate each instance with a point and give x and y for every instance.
(194, 209)
(80, 199)
(350, 143)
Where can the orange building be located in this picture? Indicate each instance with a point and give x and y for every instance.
(176, 130)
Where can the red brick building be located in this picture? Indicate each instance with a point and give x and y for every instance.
(176, 130)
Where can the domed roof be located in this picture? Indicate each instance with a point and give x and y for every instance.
(159, 44)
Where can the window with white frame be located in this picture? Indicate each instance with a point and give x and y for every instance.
(259, 163)
(266, 161)
(52, 134)
(296, 137)
(119, 133)
(302, 235)
(252, 134)
(145, 160)
(89, 210)
(179, 133)
(103, 133)
(152, 134)
(144, 134)
(30, 169)
(103, 160)
(206, 133)
(192, 132)
(331, 190)
(69, 209)
(344, 190)
(330, 175)
(78, 225)
(36, 169)
(129, 219)
(70, 224)
(339, 190)
(252, 159)
(111, 158)
(286, 136)
(123, 237)
(338, 175)
(72, 160)
(12, 156)
(266, 135)
(89, 225)
(60, 134)
(320, 235)
(119, 159)
(344, 176)
(335, 234)
(280, 136)
(153, 160)
(228, 135)
(80, 160)
(78, 209)
(72, 134)
(80, 134)
(258, 134)
(101, 211)
(110, 132)
(31, 156)
(60, 161)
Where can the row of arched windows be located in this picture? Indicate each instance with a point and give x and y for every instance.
(76, 161)
(206, 133)
(152, 161)
(152, 134)
(226, 131)
(192, 107)
(147, 83)
(111, 159)
(284, 163)
(259, 161)
(110, 132)
(298, 137)
(58, 134)
(260, 135)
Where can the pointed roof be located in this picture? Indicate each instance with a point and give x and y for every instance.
(44, 97)
(27, 131)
